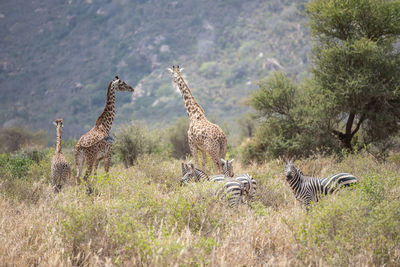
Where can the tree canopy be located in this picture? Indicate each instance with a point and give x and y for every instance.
(353, 90)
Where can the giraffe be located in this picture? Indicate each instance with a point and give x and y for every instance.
(96, 144)
(60, 169)
(203, 135)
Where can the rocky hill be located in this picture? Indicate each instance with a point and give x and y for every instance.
(57, 57)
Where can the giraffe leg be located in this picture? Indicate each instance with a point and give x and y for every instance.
(90, 163)
(96, 164)
(79, 161)
(215, 157)
(193, 150)
(203, 152)
(107, 161)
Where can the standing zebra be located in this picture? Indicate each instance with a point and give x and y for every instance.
(307, 189)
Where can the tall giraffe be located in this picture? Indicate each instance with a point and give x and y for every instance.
(202, 134)
(60, 169)
(96, 144)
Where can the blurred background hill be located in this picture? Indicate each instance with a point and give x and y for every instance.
(57, 57)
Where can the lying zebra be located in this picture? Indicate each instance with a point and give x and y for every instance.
(307, 189)
(232, 189)
(247, 183)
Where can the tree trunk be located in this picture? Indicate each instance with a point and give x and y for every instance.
(346, 137)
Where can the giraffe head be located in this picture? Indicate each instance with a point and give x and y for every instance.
(58, 123)
(120, 85)
(176, 72)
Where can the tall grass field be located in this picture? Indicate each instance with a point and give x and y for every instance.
(141, 216)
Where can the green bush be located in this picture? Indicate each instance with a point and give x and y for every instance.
(209, 69)
(134, 140)
(362, 221)
(16, 166)
(13, 139)
(177, 136)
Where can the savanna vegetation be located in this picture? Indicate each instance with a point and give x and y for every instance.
(343, 118)
(142, 216)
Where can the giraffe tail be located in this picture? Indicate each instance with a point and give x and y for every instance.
(222, 148)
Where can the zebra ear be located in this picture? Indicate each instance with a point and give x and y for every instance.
(189, 162)
(170, 70)
(231, 161)
(223, 161)
(55, 123)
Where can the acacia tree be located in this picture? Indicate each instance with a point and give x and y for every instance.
(357, 66)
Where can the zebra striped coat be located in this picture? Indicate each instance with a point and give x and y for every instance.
(233, 190)
(307, 189)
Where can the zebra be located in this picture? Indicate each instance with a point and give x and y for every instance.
(232, 189)
(189, 173)
(227, 167)
(307, 189)
(250, 185)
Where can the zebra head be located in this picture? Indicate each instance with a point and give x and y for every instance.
(187, 172)
(227, 167)
(190, 173)
(185, 167)
(290, 170)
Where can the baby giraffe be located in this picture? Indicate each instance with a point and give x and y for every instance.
(60, 169)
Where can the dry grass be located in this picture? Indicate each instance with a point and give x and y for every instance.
(141, 217)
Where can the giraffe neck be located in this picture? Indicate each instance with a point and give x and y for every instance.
(58, 147)
(193, 109)
(107, 117)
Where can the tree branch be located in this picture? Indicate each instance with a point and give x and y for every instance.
(360, 121)
(349, 123)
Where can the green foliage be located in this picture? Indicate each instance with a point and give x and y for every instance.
(177, 136)
(290, 121)
(13, 139)
(247, 125)
(134, 140)
(21, 172)
(351, 100)
(209, 69)
(363, 219)
(16, 166)
(355, 66)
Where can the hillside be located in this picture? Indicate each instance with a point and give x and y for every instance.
(57, 57)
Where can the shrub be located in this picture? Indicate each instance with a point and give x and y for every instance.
(177, 136)
(208, 69)
(16, 166)
(13, 139)
(360, 226)
(134, 140)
